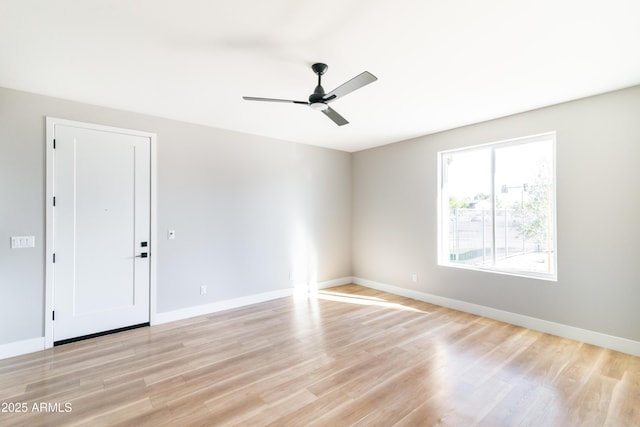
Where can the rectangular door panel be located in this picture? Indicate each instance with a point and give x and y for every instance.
(104, 244)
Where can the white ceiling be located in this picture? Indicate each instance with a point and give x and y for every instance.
(440, 64)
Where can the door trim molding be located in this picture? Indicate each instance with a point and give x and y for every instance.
(51, 122)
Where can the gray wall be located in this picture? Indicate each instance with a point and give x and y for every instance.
(598, 204)
(246, 210)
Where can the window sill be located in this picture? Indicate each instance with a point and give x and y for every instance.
(517, 273)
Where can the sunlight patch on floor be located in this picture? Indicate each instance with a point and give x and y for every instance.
(350, 295)
(361, 300)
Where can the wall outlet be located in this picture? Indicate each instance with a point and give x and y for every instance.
(171, 235)
(414, 278)
(203, 289)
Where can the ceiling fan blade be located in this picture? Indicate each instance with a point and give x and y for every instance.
(333, 115)
(357, 82)
(253, 98)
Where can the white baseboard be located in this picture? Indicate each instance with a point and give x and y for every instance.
(304, 288)
(596, 338)
(37, 344)
(200, 310)
(331, 283)
(19, 348)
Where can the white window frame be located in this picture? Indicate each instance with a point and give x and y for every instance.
(443, 222)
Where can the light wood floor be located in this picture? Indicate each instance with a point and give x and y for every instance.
(350, 356)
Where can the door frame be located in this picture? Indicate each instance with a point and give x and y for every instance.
(51, 122)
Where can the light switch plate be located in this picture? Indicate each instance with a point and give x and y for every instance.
(19, 242)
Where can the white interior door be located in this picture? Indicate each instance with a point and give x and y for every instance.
(101, 230)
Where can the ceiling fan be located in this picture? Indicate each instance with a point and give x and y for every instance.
(319, 100)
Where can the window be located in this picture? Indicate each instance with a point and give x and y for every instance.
(497, 207)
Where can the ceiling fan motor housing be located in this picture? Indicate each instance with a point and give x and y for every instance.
(316, 97)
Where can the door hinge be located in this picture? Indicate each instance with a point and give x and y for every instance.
(54, 258)
(54, 200)
(53, 315)
(54, 143)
